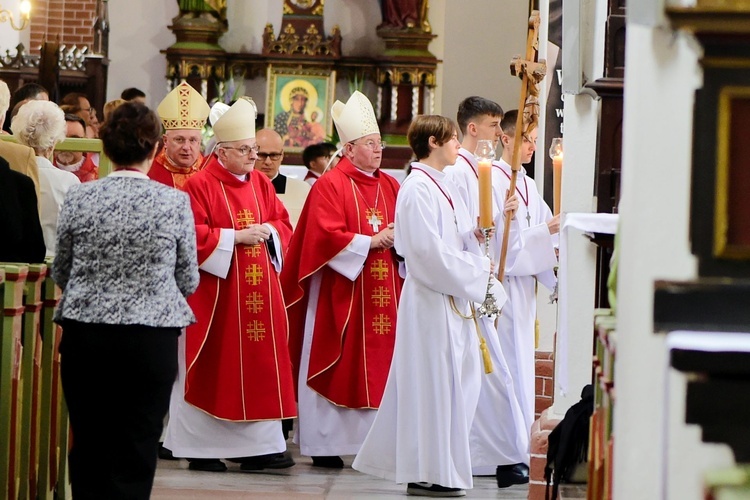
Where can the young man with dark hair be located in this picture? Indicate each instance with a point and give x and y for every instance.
(531, 258)
(316, 158)
(133, 94)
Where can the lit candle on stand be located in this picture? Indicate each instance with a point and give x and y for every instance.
(484, 154)
(556, 153)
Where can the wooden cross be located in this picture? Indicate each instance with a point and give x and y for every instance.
(245, 218)
(379, 270)
(381, 297)
(531, 73)
(253, 274)
(256, 330)
(254, 303)
(381, 324)
(374, 218)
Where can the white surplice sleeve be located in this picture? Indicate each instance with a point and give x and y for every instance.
(430, 258)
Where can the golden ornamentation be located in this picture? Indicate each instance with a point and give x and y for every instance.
(253, 274)
(381, 325)
(253, 251)
(312, 43)
(245, 218)
(381, 296)
(379, 269)
(254, 303)
(256, 330)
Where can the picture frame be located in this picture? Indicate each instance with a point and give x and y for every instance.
(299, 104)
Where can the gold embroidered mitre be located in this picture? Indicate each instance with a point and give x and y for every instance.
(237, 123)
(354, 119)
(183, 108)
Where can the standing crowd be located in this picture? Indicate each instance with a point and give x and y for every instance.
(246, 304)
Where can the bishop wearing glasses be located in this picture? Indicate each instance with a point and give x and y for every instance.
(235, 378)
(342, 285)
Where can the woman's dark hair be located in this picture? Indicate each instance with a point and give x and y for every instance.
(425, 126)
(130, 134)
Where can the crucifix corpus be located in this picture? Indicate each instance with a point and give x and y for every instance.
(531, 72)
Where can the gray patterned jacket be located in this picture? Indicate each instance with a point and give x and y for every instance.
(126, 253)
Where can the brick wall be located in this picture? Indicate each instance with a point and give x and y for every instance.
(72, 20)
(544, 381)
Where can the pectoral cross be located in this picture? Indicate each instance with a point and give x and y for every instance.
(374, 220)
(528, 219)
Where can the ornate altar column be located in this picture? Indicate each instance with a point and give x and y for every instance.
(406, 70)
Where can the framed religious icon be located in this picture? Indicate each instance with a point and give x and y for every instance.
(299, 103)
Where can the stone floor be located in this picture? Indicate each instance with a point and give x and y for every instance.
(175, 482)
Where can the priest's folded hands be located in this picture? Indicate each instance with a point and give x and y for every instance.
(384, 238)
(252, 235)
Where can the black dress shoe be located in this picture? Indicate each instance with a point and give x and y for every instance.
(508, 475)
(328, 462)
(271, 461)
(207, 464)
(433, 490)
(166, 453)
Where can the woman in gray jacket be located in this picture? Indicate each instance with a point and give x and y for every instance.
(126, 259)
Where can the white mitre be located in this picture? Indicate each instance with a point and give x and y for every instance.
(237, 123)
(354, 119)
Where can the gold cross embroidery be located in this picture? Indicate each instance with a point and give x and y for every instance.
(254, 303)
(379, 270)
(381, 324)
(256, 330)
(253, 274)
(252, 251)
(245, 218)
(381, 297)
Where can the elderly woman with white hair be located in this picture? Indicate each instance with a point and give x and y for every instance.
(41, 125)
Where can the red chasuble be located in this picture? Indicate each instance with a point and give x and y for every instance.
(355, 321)
(236, 354)
(165, 171)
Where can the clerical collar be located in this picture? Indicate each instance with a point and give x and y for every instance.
(239, 177)
(73, 167)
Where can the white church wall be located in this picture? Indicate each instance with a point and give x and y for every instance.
(581, 118)
(10, 38)
(656, 454)
(134, 47)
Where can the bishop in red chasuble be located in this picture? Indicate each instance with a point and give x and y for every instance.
(183, 114)
(236, 382)
(341, 284)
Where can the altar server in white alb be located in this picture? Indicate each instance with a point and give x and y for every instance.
(420, 435)
(531, 257)
(496, 445)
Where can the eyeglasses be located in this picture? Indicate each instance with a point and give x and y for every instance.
(243, 150)
(182, 140)
(372, 145)
(272, 156)
(91, 111)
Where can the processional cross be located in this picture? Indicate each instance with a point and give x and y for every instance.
(531, 72)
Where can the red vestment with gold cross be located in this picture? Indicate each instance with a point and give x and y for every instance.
(355, 321)
(236, 355)
(165, 171)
